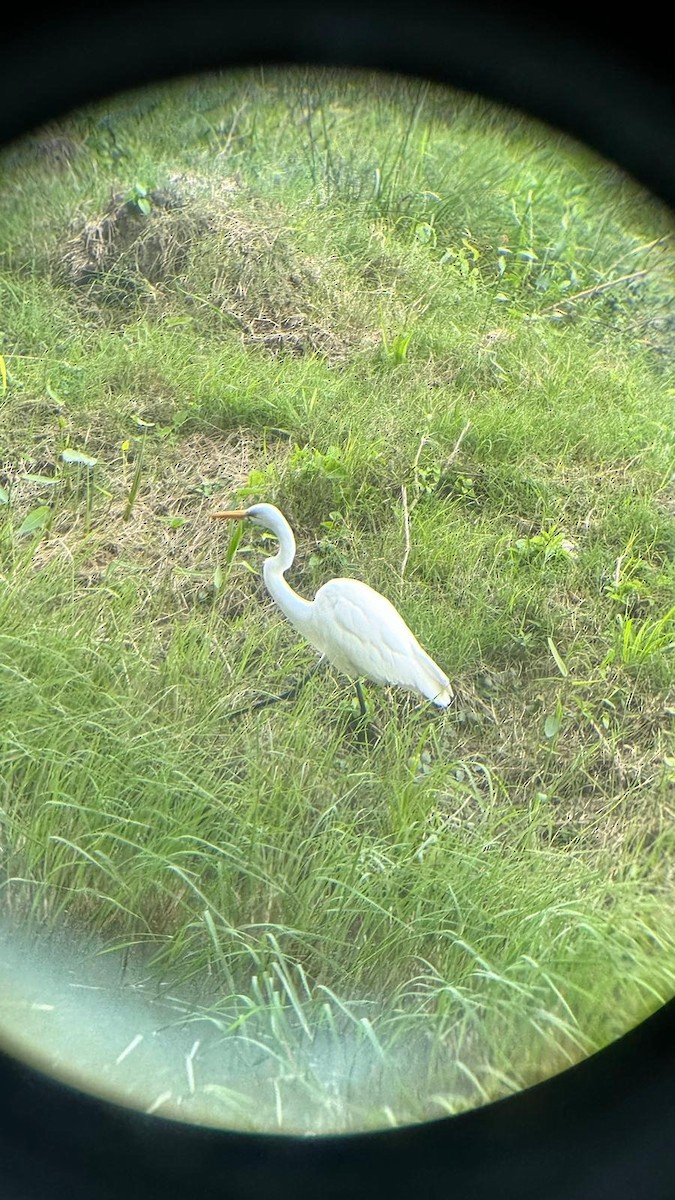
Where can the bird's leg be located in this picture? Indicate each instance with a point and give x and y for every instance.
(288, 695)
(366, 733)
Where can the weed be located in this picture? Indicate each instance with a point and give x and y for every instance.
(548, 545)
(638, 641)
(397, 348)
(140, 198)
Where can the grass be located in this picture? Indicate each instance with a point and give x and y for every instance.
(437, 335)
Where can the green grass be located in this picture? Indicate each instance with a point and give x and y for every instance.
(437, 335)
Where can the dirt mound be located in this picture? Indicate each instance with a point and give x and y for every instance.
(275, 295)
(225, 258)
(139, 238)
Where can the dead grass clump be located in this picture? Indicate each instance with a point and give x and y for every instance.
(50, 148)
(235, 264)
(55, 150)
(282, 299)
(116, 253)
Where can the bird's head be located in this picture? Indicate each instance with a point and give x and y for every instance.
(265, 515)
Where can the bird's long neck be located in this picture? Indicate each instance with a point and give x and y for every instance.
(297, 610)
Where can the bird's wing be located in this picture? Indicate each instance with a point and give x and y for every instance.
(363, 634)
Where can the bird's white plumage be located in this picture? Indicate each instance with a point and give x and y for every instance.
(363, 634)
(356, 628)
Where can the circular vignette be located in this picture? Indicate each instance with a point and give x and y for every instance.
(603, 1128)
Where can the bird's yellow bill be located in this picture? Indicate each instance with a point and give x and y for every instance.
(234, 514)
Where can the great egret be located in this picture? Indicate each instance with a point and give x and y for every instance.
(353, 626)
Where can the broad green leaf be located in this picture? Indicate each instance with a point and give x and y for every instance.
(180, 418)
(176, 322)
(564, 670)
(552, 724)
(36, 520)
(44, 480)
(76, 456)
(234, 542)
(3, 375)
(424, 233)
(52, 394)
(4, 495)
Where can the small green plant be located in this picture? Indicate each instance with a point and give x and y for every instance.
(462, 260)
(396, 349)
(36, 521)
(315, 481)
(330, 548)
(516, 265)
(631, 586)
(425, 234)
(313, 463)
(176, 424)
(553, 722)
(262, 482)
(335, 524)
(638, 641)
(464, 487)
(82, 463)
(222, 573)
(426, 479)
(548, 545)
(136, 478)
(139, 197)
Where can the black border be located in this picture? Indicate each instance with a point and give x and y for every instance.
(605, 76)
(606, 1128)
(602, 1130)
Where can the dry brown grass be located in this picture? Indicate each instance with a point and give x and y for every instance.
(167, 537)
(278, 296)
(114, 252)
(53, 149)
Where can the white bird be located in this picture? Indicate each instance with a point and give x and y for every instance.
(353, 626)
